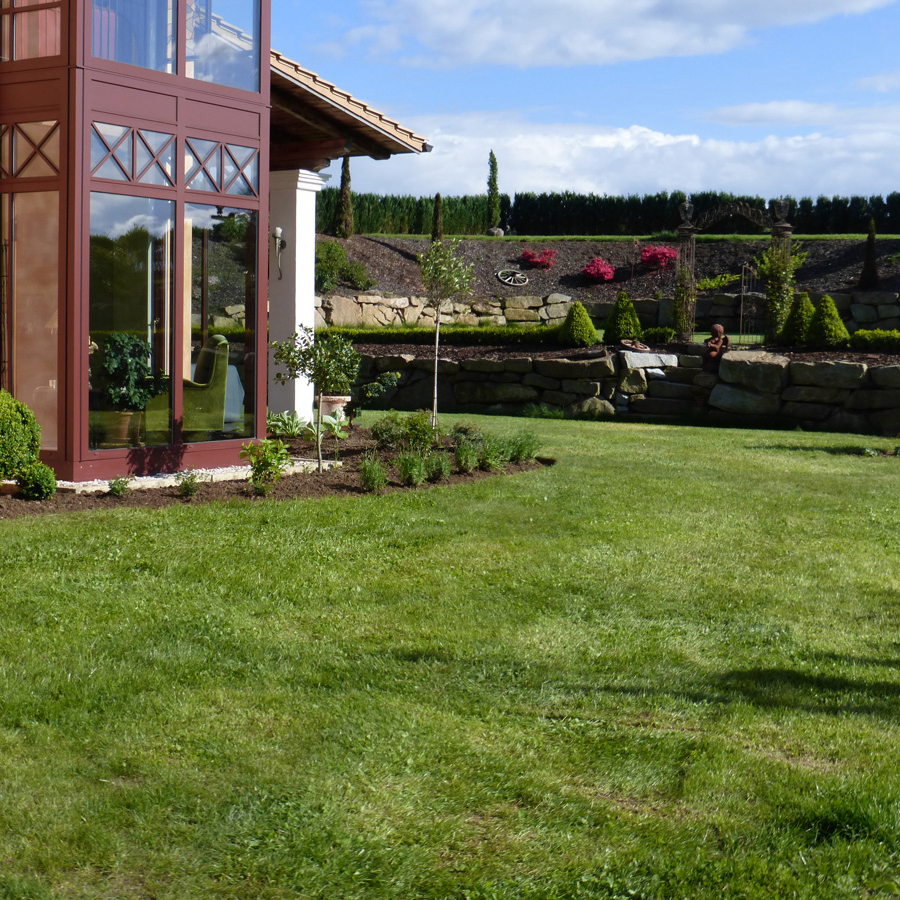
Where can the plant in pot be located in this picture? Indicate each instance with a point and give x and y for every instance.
(128, 381)
(328, 360)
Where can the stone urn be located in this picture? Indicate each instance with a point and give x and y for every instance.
(331, 403)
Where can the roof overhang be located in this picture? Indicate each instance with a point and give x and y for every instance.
(314, 122)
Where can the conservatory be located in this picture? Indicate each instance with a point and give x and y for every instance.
(143, 144)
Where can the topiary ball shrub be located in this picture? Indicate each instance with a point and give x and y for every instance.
(20, 436)
(578, 329)
(826, 330)
(796, 328)
(623, 323)
(36, 481)
(659, 335)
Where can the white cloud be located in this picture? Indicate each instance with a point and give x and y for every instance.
(883, 84)
(799, 113)
(537, 157)
(529, 33)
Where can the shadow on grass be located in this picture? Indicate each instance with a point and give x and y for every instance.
(846, 450)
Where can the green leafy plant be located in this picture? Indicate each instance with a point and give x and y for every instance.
(120, 485)
(328, 360)
(268, 459)
(465, 456)
(187, 483)
(523, 446)
(876, 340)
(494, 453)
(445, 277)
(777, 268)
(334, 268)
(411, 468)
(129, 382)
(796, 328)
(542, 411)
(826, 330)
(372, 473)
(20, 436)
(286, 424)
(36, 481)
(717, 282)
(577, 330)
(466, 431)
(437, 466)
(623, 322)
(364, 393)
(659, 335)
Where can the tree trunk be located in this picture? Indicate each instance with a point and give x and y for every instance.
(437, 339)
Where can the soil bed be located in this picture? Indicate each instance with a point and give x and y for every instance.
(340, 481)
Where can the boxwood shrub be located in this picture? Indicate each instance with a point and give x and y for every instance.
(20, 436)
(876, 340)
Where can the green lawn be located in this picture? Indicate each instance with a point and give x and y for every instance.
(666, 667)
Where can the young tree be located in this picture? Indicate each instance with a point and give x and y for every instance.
(445, 277)
(493, 193)
(437, 223)
(343, 214)
(869, 279)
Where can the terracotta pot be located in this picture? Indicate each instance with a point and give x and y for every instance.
(331, 403)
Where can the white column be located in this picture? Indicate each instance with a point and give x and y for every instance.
(292, 292)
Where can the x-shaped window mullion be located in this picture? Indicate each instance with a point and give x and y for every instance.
(111, 149)
(203, 161)
(155, 157)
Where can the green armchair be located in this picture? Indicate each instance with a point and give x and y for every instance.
(204, 397)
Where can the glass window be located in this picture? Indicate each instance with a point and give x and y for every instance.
(30, 305)
(220, 312)
(130, 343)
(137, 32)
(223, 42)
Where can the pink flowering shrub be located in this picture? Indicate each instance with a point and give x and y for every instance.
(543, 260)
(599, 270)
(658, 257)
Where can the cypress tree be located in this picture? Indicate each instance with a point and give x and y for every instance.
(437, 224)
(493, 193)
(868, 279)
(343, 215)
(623, 322)
(826, 330)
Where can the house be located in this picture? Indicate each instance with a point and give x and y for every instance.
(158, 174)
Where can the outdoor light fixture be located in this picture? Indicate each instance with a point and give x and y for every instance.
(280, 244)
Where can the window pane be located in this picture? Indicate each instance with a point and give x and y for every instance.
(137, 32)
(35, 308)
(36, 34)
(132, 243)
(223, 42)
(219, 400)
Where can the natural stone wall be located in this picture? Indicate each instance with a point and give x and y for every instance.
(752, 388)
(861, 309)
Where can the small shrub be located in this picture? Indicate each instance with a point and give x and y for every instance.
(542, 411)
(356, 275)
(286, 424)
(119, 486)
(523, 446)
(20, 436)
(826, 330)
(388, 431)
(333, 268)
(875, 340)
(411, 468)
(578, 329)
(268, 460)
(494, 454)
(623, 323)
(418, 432)
(598, 270)
(796, 328)
(36, 481)
(466, 431)
(466, 457)
(716, 282)
(658, 256)
(543, 260)
(372, 474)
(658, 335)
(187, 483)
(437, 466)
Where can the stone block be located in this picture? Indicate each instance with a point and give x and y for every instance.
(885, 376)
(394, 363)
(889, 324)
(532, 379)
(631, 360)
(481, 365)
(522, 303)
(679, 375)
(765, 372)
(486, 308)
(553, 299)
(707, 380)
(874, 298)
(467, 320)
(865, 315)
(632, 381)
(657, 406)
(518, 364)
(445, 366)
(886, 398)
(489, 392)
(558, 398)
(592, 408)
(581, 386)
(514, 314)
(343, 311)
(856, 423)
(669, 390)
(803, 393)
(815, 412)
(666, 314)
(689, 361)
(603, 367)
(648, 311)
(492, 320)
(838, 374)
(556, 310)
(743, 400)
(886, 422)
(885, 310)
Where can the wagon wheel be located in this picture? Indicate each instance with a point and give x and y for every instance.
(512, 277)
(635, 346)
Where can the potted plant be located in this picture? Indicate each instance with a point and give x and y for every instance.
(128, 381)
(327, 360)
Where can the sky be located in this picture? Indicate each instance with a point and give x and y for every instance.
(758, 97)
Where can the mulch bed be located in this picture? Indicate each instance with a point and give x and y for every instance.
(338, 482)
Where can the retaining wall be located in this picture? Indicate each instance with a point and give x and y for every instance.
(751, 388)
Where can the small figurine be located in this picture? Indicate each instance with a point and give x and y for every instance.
(716, 345)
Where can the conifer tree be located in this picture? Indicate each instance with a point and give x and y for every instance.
(868, 279)
(493, 193)
(437, 224)
(343, 215)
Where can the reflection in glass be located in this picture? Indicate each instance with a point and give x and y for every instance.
(130, 345)
(219, 322)
(36, 34)
(137, 32)
(32, 247)
(223, 42)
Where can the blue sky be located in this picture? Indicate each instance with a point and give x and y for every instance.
(765, 97)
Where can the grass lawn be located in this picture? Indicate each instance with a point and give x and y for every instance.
(667, 667)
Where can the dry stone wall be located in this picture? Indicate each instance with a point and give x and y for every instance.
(751, 388)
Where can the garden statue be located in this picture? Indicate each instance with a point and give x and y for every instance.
(716, 345)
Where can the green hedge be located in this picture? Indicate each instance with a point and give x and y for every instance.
(876, 339)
